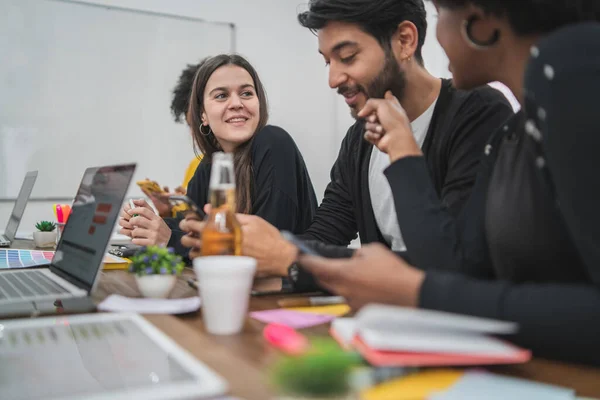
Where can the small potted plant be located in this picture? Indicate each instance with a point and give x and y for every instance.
(156, 269)
(322, 373)
(45, 235)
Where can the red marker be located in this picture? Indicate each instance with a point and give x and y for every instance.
(59, 214)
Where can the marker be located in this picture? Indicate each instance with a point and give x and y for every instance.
(312, 301)
(285, 339)
(59, 214)
(192, 283)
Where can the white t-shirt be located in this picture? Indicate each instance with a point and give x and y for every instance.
(379, 187)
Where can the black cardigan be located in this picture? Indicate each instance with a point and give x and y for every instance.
(461, 124)
(282, 193)
(460, 127)
(560, 317)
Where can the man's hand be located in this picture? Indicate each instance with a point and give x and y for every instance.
(373, 275)
(147, 228)
(193, 240)
(388, 127)
(263, 242)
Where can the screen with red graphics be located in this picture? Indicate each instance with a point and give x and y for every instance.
(93, 216)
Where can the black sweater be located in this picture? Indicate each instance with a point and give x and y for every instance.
(282, 192)
(535, 235)
(461, 125)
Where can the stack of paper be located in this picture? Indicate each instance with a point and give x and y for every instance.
(397, 336)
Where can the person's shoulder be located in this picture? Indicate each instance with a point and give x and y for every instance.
(273, 136)
(480, 97)
(355, 133)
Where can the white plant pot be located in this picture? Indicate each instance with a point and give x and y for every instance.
(45, 239)
(157, 286)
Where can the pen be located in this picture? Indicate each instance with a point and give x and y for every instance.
(312, 301)
(132, 206)
(192, 283)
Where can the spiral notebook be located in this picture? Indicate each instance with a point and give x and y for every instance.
(397, 336)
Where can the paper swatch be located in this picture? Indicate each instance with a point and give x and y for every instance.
(415, 386)
(293, 319)
(118, 303)
(337, 310)
(484, 385)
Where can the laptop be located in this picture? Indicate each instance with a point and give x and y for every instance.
(74, 269)
(17, 213)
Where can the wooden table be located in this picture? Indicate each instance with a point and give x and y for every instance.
(244, 359)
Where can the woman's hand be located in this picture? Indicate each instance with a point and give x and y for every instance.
(388, 127)
(373, 275)
(161, 201)
(145, 229)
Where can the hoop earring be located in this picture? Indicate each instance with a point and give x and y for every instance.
(202, 132)
(468, 35)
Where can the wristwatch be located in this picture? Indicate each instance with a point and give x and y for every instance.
(294, 273)
(300, 280)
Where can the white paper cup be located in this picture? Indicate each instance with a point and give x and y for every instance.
(224, 283)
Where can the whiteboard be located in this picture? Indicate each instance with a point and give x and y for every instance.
(85, 85)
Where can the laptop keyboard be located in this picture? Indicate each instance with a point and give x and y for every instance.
(26, 284)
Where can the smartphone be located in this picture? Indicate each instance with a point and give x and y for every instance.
(150, 186)
(124, 250)
(183, 204)
(302, 247)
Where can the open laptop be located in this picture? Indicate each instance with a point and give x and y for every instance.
(17, 213)
(74, 268)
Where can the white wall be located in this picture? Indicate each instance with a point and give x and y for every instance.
(286, 57)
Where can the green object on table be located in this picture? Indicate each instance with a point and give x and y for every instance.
(45, 226)
(323, 371)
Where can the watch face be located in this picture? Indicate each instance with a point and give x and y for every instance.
(293, 272)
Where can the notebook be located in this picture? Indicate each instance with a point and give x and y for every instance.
(397, 336)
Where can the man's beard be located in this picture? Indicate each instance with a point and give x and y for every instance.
(391, 77)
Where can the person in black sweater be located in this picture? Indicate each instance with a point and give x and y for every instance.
(371, 46)
(527, 246)
(228, 112)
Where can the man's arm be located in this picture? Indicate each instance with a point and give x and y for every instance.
(335, 220)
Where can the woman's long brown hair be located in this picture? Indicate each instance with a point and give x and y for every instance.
(208, 144)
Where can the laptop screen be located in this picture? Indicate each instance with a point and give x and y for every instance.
(90, 225)
(17, 213)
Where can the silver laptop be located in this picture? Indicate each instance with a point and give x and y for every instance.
(74, 268)
(17, 213)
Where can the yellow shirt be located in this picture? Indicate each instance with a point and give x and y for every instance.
(189, 174)
(191, 170)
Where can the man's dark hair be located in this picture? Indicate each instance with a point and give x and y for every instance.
(379, 18)
(182, 92)
(528, 17)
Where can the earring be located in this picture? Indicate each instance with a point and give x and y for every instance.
(202, 132)
(475, 43)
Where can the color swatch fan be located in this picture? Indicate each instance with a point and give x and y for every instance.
(17, 258)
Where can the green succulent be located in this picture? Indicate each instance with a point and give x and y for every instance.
(321, 372)
(155, 260)
(45, 226)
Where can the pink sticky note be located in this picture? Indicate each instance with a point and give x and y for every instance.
(293, 319)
